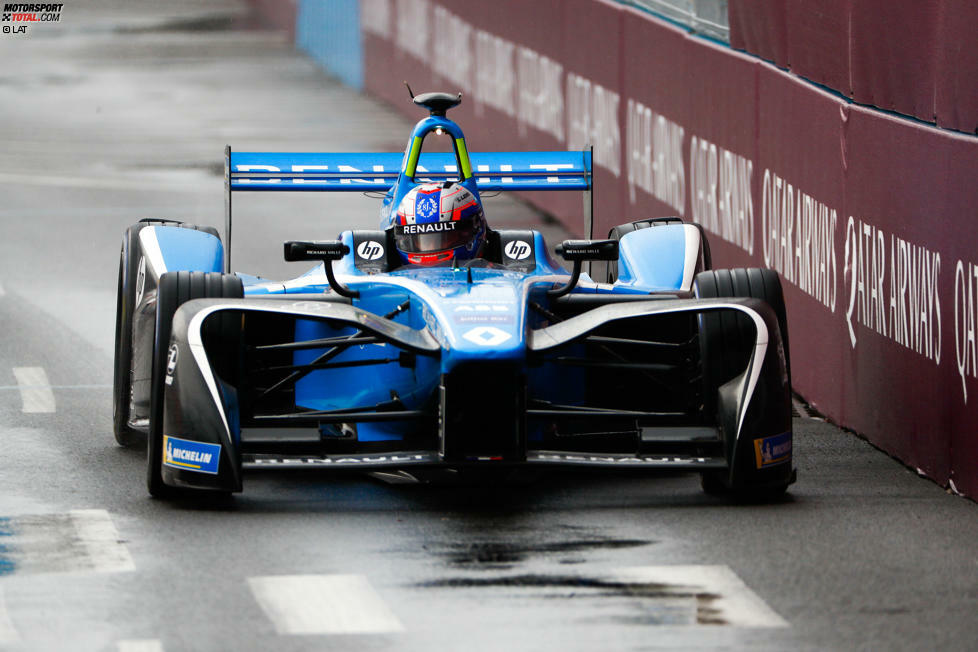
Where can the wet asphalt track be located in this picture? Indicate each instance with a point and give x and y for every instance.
(121, 112)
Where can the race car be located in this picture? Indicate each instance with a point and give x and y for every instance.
(386, 358)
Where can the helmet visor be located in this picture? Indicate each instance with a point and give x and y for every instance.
(436, 236)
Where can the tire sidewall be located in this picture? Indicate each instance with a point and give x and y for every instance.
(122, 367)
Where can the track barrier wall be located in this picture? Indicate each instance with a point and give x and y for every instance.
(870, 218)
(916, 58)
(329, 32)
(279, 14)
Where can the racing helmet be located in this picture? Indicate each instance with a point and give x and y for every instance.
(439, 222)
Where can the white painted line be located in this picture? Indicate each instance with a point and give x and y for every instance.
(721, 597)
(8, 633)
(140, 645)
(323, 604)
(35, 389)
(98, 536)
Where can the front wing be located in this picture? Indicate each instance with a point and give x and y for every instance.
(539, 416)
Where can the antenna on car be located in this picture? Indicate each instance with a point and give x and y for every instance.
(438, 104)
(410, 92)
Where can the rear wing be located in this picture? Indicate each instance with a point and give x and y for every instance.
(363, 172)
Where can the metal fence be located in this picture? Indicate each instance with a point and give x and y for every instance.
(705, 17)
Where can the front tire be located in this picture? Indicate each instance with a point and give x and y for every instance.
(175, 289)
(726, 344)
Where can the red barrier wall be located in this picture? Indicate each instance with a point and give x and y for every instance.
(956, 94)
(278, 14)
(916, 58)
(759, 28)
(818, 45)
(893, 55)
(801, 154)
(870, 219)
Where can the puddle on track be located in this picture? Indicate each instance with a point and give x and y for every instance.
(656, 603)
(506, 554)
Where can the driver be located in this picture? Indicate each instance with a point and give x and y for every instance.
(439, 222)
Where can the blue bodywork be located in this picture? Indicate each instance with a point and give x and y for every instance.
(189, 249)
(476, 312)
(653, 259)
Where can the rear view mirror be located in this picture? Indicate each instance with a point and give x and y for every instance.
(327, 251)
(578, 251)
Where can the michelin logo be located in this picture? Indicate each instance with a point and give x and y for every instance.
(191, 455)
(772, 450)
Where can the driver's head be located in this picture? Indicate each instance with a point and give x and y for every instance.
(439, 222)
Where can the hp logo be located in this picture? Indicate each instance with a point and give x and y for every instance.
(517, 250)
(370, 250)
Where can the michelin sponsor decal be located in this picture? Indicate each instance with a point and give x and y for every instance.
(772, 450)
(191, 455)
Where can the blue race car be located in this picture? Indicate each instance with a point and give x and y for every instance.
(437, 341)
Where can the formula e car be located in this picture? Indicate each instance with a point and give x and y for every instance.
(365, 362)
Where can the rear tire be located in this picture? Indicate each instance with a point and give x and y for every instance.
(726, 343)
(175, 289)
(126, 295)
(122, 367)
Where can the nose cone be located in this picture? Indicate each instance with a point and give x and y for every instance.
(483, 319)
